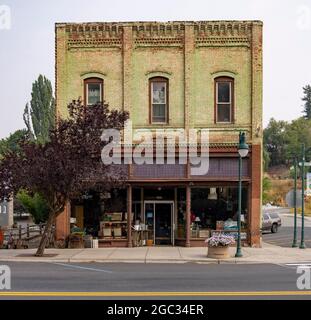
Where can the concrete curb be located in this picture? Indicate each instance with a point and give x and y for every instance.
(153, 261)
(268, 254)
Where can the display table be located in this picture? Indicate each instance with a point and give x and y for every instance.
(113, 229)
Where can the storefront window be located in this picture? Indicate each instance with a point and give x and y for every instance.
(215, 208)
(137, 205)
(113, 224)
(181, 213)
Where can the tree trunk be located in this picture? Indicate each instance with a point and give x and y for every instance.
(45, 235)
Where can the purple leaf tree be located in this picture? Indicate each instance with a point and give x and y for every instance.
(68, 164)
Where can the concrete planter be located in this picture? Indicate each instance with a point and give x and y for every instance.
(220, 252)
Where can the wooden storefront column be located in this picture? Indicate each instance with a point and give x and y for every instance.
(188, 215)
(62, 223)
(129, 216)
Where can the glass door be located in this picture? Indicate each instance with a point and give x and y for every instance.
(159, 219)
(163, 223)
(149, 219)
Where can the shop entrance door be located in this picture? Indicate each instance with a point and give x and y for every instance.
(159, 218)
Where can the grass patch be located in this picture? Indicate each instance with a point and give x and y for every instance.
(275, 190)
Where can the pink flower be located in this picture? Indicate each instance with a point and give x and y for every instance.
(220, 239)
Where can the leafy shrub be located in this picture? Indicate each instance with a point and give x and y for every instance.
(35, 205)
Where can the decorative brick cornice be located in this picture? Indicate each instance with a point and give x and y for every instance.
(94, 30)
(223, 33)
(222, 41)
(223, 28)
(158, 29)
(159, 42)
(94, 35)
(94, 43)
(157, 34)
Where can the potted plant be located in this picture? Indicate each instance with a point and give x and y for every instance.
(218, 246)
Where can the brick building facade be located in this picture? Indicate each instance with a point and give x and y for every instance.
(202, 75)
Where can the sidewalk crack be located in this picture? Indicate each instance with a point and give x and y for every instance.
(180, 256)
(147, 251)
(69, 259)
(111, 253)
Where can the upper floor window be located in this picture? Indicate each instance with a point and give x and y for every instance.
(158, 100)
(93, 91)
(224, 97)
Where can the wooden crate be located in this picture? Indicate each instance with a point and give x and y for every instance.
(107, 232)
(117, 232)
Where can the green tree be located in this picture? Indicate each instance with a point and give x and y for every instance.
(35, 205)
(266, 159)
(27, 121)
(307, 101)
(298, 132)
(11, 143)
(282, 140)
(274, 139)
(266, 187)
(39, 116)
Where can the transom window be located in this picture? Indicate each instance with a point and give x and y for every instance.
(159, 100)
(93, 91)
(224, 99)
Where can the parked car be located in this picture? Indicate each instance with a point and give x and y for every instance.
(271, 221)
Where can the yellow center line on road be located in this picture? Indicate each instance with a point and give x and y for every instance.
(154, 294)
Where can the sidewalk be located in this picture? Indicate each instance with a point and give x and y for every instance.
(307, 218)
(267, 254)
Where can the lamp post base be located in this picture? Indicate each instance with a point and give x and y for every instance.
(294, 245)
(238, 253)
(302, 246)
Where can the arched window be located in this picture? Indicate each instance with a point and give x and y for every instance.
(224, 98)
(93, 91)
(158, 97)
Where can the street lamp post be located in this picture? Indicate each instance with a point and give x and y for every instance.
(303, 164)
(302, 242)
(294, 245)
(243, 151)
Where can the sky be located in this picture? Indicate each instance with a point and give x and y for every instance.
(27, 43)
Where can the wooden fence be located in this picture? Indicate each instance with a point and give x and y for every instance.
(26, 236)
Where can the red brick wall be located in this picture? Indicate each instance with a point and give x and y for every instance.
(255, 197)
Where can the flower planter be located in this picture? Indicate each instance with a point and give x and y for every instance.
(218, 252)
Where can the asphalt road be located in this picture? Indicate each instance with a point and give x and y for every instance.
(284, 236)
(214, 281)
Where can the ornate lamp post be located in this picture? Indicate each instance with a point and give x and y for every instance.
(243, 151)
(294, 245)
(303, 164)
(302, 242)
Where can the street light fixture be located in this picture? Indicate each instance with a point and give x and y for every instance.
(243, 152)
(243, 146)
